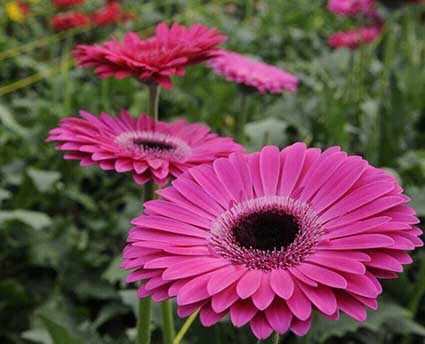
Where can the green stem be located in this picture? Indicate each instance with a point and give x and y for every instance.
(144, 321)
(167, 322)
(104, 95)
(65, 63)
(185, 327)
(273, 339)
(241, 119)
(153, 103)
(145, 304)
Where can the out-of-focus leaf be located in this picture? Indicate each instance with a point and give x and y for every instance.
(386, 315)
(60, 334)
(114, 273)
(266, 131)
(108, 312)
(34, 219)
(417, 194)
(38, 336)
(9, 121)
(43, 180)
(4, 194)
(129, 297)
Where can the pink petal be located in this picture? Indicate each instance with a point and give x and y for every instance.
(264, 296)
(249, 283)
(281, 283)
(242, 312)
(294, 159)
(224, 277)
(299, 304)
(270, 169)
(279, 316)
(322, 297)
(260, 327)
(323, 275)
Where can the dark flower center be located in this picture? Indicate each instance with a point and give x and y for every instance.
(266, 230)
(146, 144)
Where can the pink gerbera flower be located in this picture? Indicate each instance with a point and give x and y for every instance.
(353, 38)
(269, 237)
(69, 20)
(155, 59)
(112, 13)
(243, 70)
(350, 7)
(151, 150)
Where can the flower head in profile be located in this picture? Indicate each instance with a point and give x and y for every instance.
(261, 76)
(69, 20)
(350, 7)
(156, 59)
(152, 150)
(112, 13)
(67, 3)
(272, 237)
(354, 38)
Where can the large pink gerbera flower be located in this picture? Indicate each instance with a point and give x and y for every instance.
(155, 59)
(350, 7)
(243, 70)
(271, 236)
(151, 150)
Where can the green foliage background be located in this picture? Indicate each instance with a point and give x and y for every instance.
(62, 227)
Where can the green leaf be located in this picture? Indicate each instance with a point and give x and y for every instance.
(114, 273)
(4, 194)
(34, 219)
(60, 334)
(266, 131)
(43, 180)
(9, 121)
(417, 195)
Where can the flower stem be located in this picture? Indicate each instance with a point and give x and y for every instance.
(273, 339)
(145, 304)
(153, 103)
(167, 322)
(185, 327)
(144, 321)
(241, 119)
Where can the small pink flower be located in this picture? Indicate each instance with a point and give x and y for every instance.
(155, 59)
(69, 20)
(350, 7)
(272, 236)
(243, 70)
(353, 38)
(151, 150)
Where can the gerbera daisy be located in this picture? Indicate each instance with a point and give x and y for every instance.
(252, 73)
(350, 7)
(155, 59)
(271, 237)
(151, 150)
(111, 14)
(353, 38)
(69, 20)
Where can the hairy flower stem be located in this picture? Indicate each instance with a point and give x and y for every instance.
(273, 339)
(241, 119)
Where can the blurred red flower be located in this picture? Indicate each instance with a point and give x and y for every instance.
(65, 21)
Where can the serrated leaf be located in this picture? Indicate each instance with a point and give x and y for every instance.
(43, 180)
(34, 219)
